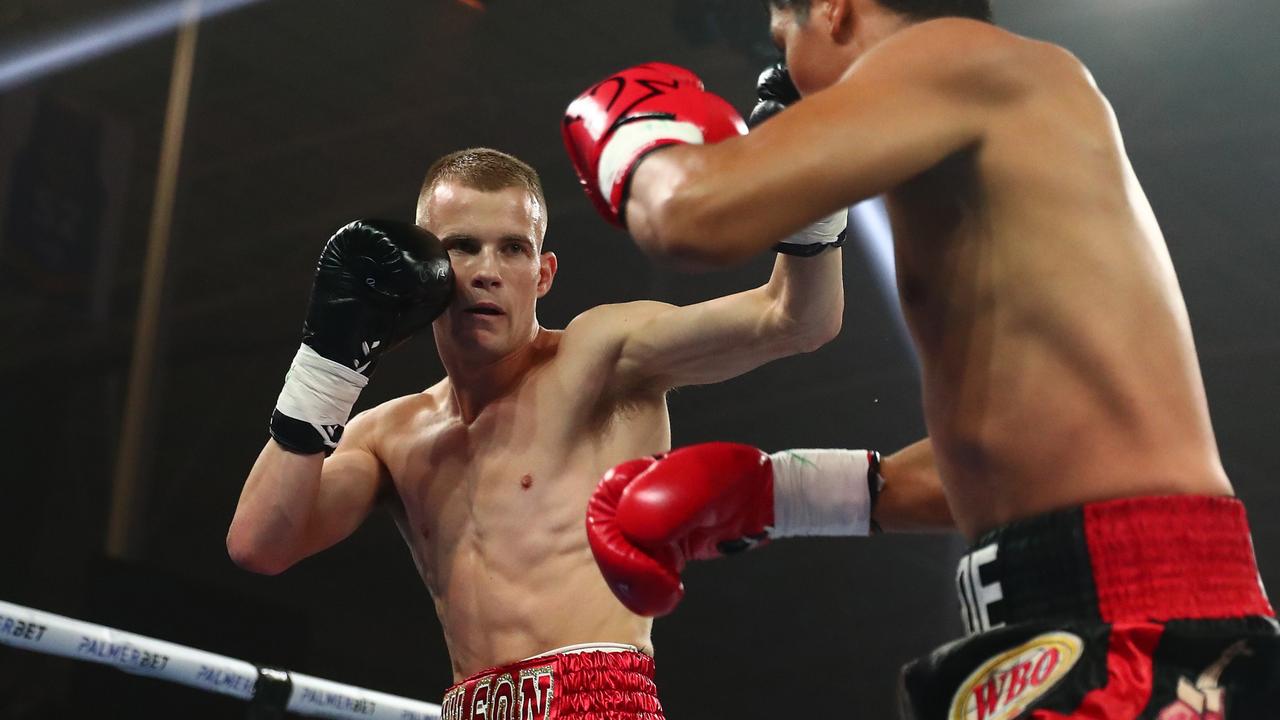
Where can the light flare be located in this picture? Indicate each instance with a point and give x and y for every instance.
(25, 60)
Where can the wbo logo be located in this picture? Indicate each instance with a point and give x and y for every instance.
(1008, 683)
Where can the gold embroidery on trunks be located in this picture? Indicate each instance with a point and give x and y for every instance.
(504, 697)
(480, 698)
(537, 688)
(453, 705)
(528, 696)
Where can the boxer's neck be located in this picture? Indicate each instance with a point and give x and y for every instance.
(874, 27)
(475, 384)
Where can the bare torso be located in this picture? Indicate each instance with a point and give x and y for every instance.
(493, 509)
(1058, 365)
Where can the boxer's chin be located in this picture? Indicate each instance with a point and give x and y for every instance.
(484, 343)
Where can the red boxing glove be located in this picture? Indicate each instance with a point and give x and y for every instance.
(645, 584)
(648, 517)
(610, 128)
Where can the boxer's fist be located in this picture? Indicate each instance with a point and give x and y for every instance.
(377, 283)
(648, 517)
(647, 581)
(774, 92)
(612, 126)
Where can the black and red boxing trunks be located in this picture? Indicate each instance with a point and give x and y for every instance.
(1146, 608)
(586, 682)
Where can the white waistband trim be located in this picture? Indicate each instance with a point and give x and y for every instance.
(585, 648)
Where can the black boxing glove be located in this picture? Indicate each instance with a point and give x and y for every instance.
(377, 283)
(774, 92)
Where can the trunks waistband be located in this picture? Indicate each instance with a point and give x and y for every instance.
(1143, 559)
(570, 682)
(586, 647)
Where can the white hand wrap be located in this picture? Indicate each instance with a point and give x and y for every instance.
(319, 391)
(823, 492)
(825, 233)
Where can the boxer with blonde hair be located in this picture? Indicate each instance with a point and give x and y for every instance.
(488, 471)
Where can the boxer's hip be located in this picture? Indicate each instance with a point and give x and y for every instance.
(1141, 607)
(594, 680)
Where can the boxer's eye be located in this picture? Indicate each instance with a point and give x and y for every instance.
(463, 245)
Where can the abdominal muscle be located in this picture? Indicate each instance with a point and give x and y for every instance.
(494, 513)
(515, 594)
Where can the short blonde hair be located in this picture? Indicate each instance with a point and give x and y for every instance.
(483, 169)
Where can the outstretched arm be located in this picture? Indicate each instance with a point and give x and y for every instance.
(919, 97)
(655, 346)
(912, 499)
(650, 516)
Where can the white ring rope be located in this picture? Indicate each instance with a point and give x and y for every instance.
(43, 632)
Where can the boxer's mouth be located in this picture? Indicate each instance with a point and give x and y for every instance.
(485, 308)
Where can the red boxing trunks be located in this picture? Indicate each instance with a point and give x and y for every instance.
(1147, 607)
(592, 682)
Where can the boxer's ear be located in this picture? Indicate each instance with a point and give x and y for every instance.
(547, 266)
(839, 18)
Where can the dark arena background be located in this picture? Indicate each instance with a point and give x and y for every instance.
(137, 382)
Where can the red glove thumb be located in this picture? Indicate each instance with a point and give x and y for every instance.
(647, 582)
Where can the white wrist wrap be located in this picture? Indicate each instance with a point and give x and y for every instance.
(827, 230)
(630, 141)
(821, 492)
(319, 391)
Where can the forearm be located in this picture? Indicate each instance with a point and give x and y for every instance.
(652, 207)
(275, 507)
(912, 499)
(847, 492)
(685, 210)
(808, 295)
(798, 310)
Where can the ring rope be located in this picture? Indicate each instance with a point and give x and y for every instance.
(51, 634)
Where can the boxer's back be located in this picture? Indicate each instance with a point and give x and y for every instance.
(493, 508)
(1058, 364)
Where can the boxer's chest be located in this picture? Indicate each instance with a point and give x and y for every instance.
(516, 473)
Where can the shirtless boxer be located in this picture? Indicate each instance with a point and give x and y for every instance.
(1112, 573)
(489, 471)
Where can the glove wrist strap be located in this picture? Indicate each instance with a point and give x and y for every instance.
(315, 403)
(824, 492)
(829, 232)
(631, 142)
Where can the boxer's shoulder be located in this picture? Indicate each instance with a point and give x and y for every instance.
(966, 42)
(395, 415)
(604, 326)
(969, 56)
(593, 353)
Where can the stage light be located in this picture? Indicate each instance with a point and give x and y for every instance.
(22, 61)
(869, 226)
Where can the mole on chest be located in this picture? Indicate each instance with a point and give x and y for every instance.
(526, 481)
